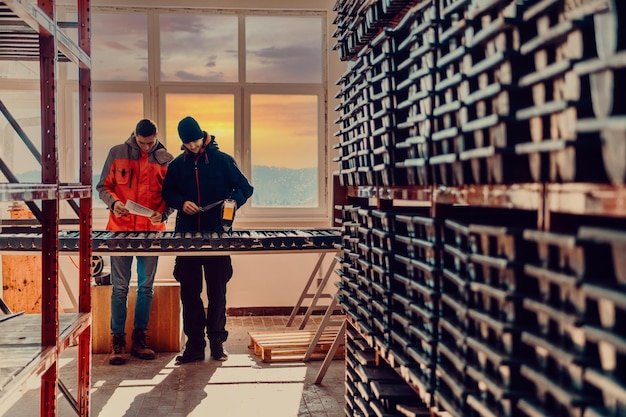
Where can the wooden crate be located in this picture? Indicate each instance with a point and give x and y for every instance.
(21, 274)
(286, 346)
(165, 328)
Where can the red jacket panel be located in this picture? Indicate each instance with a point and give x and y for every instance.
(129, 174)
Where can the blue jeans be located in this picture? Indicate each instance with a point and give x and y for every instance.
(120, 279)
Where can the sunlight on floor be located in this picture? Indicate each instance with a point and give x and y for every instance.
(243, 386)
(259, 400)
(229, 375)
(164, 373)
(238, 387)
(122, 399)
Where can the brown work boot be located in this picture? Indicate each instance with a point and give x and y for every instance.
(140, 349)
(117, 355)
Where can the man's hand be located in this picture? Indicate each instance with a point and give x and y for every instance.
(189, 207)
(119, 209)
(156, 218)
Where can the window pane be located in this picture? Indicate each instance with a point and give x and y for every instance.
(19, 70)
(70, 68)
(119, 46)
(198, 48)
(284, 150)
(283, 49)
(114, 116)
(25, 107)
(214, 112)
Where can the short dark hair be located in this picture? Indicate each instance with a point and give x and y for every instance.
(146, 127)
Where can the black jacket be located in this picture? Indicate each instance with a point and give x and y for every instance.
(204, 178)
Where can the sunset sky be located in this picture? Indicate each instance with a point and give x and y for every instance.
(203, 48)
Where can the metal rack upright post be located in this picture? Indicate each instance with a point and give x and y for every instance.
(32, 32)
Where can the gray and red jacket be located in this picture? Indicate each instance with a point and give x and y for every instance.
(130, 174)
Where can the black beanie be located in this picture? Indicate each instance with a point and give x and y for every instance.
(189, 130)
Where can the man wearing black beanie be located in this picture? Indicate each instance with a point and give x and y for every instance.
(202, 177)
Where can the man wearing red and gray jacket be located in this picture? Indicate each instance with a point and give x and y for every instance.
(134, 170)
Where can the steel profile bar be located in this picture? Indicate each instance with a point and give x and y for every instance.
(39, 22)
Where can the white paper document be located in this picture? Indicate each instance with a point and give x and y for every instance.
(138, 209)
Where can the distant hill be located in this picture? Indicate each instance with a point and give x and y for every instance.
(284, 187)
(273, 186)
(30, 176)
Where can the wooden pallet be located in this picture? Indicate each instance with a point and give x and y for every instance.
(292, 345)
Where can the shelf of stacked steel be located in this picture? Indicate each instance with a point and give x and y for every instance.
(353, 29)
(381, 77)
(492, 67)
(390, 9)
(605, 297)
(417, 39)
(454, 288)
(346, 295)
(364, 173)
(478, 323)
(358, 22)
(364, 28)
(452, 326)
(350, 376)
(387, 392)
(380, 223)
(358, 354)
(354, 124)
(495, 316)
(365, 293)
(349, 236)
(355, 265)
(579, 346)
(607, 75)
(375, 278)
(340, 23)
(415, 297)
(347, 261)
(345, 124)
(556, 38)
(449, 93)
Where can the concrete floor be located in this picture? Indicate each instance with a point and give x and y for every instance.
(240, 387)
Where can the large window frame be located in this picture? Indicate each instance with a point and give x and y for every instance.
(155, 92)
(270, 212)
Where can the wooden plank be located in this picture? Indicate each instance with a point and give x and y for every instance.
(270, 355)
(294, 343)
(270, 337)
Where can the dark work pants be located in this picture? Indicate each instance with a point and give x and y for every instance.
(218, 270)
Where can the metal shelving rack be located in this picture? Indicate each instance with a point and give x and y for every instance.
(485, 218)
(30, 32)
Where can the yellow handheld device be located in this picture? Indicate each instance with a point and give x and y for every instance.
(228, 213)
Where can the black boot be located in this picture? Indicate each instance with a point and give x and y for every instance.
(193, 352)
(217, 351)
